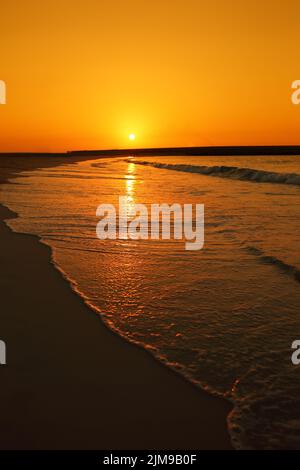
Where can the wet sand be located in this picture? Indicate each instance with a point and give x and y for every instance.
(71, 383)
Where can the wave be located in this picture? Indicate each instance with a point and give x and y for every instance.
(289, 269)
(233, 172)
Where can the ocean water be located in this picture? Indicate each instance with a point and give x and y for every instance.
(224, 316)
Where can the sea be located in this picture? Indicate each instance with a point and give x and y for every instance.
(224, 316)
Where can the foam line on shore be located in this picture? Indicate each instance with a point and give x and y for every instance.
(232, 172)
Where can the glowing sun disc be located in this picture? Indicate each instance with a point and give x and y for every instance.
(131, 137)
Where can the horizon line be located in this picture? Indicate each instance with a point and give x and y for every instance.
(186, 150)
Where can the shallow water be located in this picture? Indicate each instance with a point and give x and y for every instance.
(225, 316)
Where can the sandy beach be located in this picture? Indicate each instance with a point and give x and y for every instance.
(71, 383)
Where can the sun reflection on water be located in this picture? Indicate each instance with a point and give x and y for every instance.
(130, 189)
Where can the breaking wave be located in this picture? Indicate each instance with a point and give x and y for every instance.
(289, 269)
(233, 172)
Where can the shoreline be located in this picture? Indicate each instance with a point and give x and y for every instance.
(71, 382)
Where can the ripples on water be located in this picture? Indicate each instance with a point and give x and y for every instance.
(225, 316)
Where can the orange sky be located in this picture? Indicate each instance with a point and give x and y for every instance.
(86, 73)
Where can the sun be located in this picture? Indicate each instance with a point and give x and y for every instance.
(131, 136)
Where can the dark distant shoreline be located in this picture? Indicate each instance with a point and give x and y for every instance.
(205, 151)
(188, 151)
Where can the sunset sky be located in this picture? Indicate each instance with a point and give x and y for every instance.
(84, 74)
